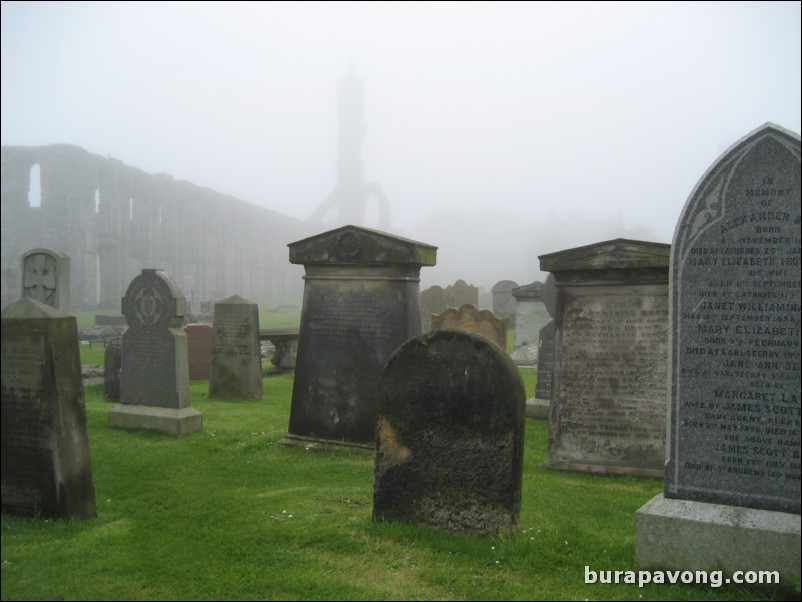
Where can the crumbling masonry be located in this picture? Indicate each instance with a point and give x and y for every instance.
(113, 220)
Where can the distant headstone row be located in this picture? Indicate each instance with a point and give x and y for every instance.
(436, 300)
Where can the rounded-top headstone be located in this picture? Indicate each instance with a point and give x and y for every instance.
(450, 435)
(154, 300)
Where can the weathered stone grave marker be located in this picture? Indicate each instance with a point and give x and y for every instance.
(236, 369)
(469, 318)
(361, 301)
(154, 384)
(503, 301)
(540, 405)
(46, 277)
(733, 468)
(608, 409)
(46, 460)
(449, 441)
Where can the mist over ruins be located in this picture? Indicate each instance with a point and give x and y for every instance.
(112, 220)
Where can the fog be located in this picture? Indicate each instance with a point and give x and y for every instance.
(497, 131)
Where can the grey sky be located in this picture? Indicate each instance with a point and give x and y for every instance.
(523, 128)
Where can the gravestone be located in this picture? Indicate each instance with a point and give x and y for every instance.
(361, 301)
(461, 293)
(485, 300)
(608, 408)
(112, 368)
(433, 300)
(503, 301)
(46, 277)
(530, 313)
(540, 405)
(436, 299)
(733, 466)
(199, 349)
(469, 318)
(154, 385)
(449, 441)
(46, 459)
(236, 370)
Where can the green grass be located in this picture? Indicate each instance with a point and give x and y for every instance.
(227, 513)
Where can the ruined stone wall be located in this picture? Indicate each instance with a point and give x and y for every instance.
(113, 220)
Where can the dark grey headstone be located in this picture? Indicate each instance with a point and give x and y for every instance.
(361, 301)
(735, 330)
(449, 441)
(545, 362)
(46, 277)
(236, 369)
(46, 460)
(154, 385)
(608, 405)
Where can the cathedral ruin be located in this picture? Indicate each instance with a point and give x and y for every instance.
(113, 220)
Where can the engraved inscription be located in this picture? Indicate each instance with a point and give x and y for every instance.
(739, 342)
(234, 335)
(26, 425)
(360, 317)
(613, 373)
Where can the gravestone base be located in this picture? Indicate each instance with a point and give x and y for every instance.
(538, 408)
(602, 468)
(675, 534)
(172, 421)
(315, 443)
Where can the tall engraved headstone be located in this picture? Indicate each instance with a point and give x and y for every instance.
(236, 369)
(608, 408)
(733, 464)
(361, 301)
(154, 385)
(46, 460)
(449, 440)
(46, 277)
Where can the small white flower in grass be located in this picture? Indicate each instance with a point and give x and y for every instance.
(566, 543)
(289, 516)
(285, 512)
(492, 547)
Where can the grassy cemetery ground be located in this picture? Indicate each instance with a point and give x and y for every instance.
(228, 514)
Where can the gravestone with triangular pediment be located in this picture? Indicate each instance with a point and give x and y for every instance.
(608, 408)
(361, 301)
